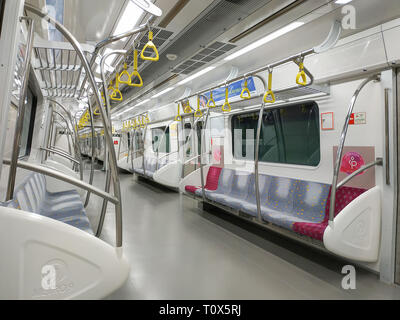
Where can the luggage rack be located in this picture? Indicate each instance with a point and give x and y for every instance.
(60, 67)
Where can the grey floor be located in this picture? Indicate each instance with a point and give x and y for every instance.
(177, 251)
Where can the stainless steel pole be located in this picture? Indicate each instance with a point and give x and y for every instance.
(21, 112)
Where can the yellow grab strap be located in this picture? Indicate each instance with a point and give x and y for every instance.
(198, 113)
(178, 116)
(152, 46)
(116, 94)
(124, 74)
(269, 96)
(211, 100)
(96, 111)
(226, 107)
(301, 75)
(245, 94)
(135, 73)
(146, 118)
(187, 108)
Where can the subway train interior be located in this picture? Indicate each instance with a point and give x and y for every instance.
(199, 150)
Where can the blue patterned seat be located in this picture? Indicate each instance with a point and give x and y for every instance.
(239, 190)
(249, 205)
(224, 186)
(31, 195)
(291, 201)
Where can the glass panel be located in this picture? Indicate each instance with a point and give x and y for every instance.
(157, 136)
(29, 121)
(289, 134)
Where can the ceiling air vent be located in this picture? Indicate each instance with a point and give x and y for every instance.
(202, 57)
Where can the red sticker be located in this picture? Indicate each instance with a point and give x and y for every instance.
(351, 162)
(116, 142)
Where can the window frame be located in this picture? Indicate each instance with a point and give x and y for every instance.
(31, 128)
(167, 133)
(283, 106)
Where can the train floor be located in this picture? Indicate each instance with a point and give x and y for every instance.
(177, 251)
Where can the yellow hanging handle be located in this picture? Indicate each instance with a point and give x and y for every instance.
(245, 94)
(226, 107)
(187, 108)
(211, 102)
(152, 46)
(198, 113)
(116, 94)
(146, 118)
(178, 116)
(301, 75)
(96, 111)
(142, 124)
(269, 96)
(135, 73)
(125, 75)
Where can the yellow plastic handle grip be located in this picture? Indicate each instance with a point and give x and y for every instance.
(124, 74)
(96, 111)
(178, 116)
(301, 75)
(198, 113)
(150, 45)
(187, 108)
(133, 75)
(211, 100)
(269, 96)
(226, 107)
(245, 94)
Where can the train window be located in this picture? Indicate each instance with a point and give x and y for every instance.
(159, 143)
(2, 5)
(29, 122)
(289, 135)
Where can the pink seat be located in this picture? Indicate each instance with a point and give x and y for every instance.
(344, 196)
(211, 182)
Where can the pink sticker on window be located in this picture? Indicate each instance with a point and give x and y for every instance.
(217, 155)
(351, 162)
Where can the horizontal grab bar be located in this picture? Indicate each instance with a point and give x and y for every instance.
(378, 162)
(63, 177)
(60, 154)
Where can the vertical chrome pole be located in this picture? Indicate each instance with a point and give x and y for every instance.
(256, 162)
(110, 172)
(21, 112)
(341, 146)
(47, 132)
(91, 175)
(201, 155)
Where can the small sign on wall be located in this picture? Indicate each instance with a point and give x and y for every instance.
(354, 158)
(358, 118)
(327, 122)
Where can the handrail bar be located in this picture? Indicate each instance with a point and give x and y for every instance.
(168, 154)
(21, 110)
(74, 127)
(343, 135)
(104, 114)
(62, 154)
(63, 177)
(328, 43)
(377, 162)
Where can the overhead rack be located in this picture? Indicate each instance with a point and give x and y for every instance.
(60, 67)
